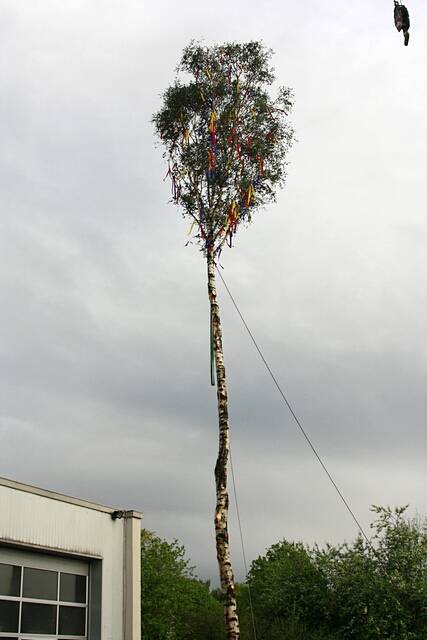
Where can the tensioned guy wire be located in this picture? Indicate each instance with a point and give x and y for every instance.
(242, 545)
(295, 417)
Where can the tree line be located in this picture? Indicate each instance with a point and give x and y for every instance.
(366, 590)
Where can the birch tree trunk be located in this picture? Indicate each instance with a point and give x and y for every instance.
(221, 509)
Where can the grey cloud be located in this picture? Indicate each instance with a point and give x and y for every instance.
(104, 358)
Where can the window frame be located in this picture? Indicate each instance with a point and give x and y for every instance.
(46, 562)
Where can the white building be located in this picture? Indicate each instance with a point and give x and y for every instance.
(69, 569)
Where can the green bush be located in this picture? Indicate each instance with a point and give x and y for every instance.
(359, 591)
(174, 604)
(363, 591)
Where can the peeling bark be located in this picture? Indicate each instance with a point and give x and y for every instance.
(221, 509)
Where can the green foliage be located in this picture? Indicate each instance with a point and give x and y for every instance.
(362, 591)
(244, 609)
(288, 579)
(174, 604)
(225, 138)
(288, 591)
(356, 591)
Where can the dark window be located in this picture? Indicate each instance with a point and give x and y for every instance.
(9, 615)
(72, 588)
(38, 618)
(40, 584)
(72, 621)
(30, 602)
(10, 580)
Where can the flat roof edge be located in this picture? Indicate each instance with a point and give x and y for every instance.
(53, 495)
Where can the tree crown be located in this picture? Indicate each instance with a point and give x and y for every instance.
(225, 138)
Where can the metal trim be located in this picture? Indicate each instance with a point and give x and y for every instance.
(52, 495)
(51, 551)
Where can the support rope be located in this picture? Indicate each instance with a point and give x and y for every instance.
(295, 417)
(242, 545)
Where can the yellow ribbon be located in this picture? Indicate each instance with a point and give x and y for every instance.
(212, 122)
(234, 211)
(250, 195)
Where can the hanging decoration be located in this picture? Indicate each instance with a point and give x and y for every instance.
(226, 143)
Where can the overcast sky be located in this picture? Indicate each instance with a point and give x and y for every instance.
(104, 352)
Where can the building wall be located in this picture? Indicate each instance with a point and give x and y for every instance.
(48, 521)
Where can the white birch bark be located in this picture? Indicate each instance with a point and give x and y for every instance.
(222, 500)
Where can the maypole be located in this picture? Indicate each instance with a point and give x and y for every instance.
(226, 142)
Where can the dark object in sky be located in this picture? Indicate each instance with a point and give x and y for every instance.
(401, 20)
